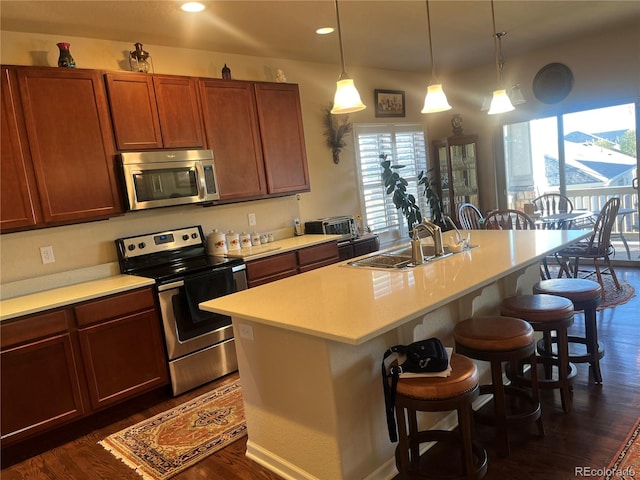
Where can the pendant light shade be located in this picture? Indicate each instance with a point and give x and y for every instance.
(435, 100)
(500, 103)
(347, 99)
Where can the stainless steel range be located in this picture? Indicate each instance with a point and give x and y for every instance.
(200, 345)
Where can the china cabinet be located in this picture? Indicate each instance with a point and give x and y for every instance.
(456, 171)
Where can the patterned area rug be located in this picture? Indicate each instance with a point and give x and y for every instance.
(613, 296)
(626, 464)
(165, 445)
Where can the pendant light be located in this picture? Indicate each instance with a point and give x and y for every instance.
(347, 99)
(435, 100)
(500, 103)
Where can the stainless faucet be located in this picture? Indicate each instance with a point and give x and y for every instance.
(416, 249)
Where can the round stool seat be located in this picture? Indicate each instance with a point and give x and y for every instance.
(539, 309)
(586, 295)
(437, 394)
(575, 289)
(546, 314)
(463, 378)
(493, 333)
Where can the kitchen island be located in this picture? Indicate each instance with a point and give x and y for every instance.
(309, 347)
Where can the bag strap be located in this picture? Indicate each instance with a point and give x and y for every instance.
(390, 392)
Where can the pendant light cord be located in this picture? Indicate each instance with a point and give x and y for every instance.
(344, 72)
(433, 67)
(497, 37)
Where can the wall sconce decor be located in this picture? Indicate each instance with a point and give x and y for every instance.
(139, 59)
(335, 132)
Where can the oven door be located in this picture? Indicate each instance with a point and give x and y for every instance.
(186, 327)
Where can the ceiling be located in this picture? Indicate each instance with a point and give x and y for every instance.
(386, 34)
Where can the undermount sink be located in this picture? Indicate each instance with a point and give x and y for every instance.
(399, 258)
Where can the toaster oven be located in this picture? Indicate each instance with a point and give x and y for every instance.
(344, 226)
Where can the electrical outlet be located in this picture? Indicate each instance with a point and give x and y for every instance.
(252, 219)
(46, 253)
(246, 331)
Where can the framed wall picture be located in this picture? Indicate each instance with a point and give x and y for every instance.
(389, 103)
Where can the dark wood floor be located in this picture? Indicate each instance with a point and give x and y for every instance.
(589, 436)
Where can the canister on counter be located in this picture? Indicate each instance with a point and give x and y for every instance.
(233, 241)
(216, 243)
(255, 239)
(245, 240)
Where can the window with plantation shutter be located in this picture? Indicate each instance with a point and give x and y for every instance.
(403, 144)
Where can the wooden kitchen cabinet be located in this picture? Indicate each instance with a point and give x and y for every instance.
(68, 363)
(282, 135)
(317, 256)
(41, 385)
(271, 268)
(456, 164)
(358, 246)
(154, 111)
(68, 136)
(122, 347)
(232, 132)
(256, 134)
(20, 202)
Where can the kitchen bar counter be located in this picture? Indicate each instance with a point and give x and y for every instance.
(309, 348)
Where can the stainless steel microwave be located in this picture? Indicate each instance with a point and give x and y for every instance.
(169, 177)
(345, 226)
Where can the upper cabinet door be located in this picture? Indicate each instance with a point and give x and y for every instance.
(19, 208)
(154, 111)
(282, 135)
(71, 144)
(133, 111)
(231, 130)
(179, 111)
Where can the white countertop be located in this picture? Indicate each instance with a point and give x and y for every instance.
(59, 297)
(353, 305)
(281, 246)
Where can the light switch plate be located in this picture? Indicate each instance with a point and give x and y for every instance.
(246, 331)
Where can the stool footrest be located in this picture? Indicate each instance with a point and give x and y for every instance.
(585, 358)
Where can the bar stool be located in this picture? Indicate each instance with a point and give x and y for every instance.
(546, 314)
(586, 295)
(437, 394)
(497, 339)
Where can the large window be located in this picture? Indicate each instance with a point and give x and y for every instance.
(404, 144)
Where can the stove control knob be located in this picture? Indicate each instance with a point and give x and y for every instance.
(185, 237)
(131, 247)
(194, 235)
(142, 245)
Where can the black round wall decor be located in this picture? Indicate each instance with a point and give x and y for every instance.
(553, 83)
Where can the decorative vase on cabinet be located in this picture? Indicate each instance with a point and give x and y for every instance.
(65, 59)
(456, 164)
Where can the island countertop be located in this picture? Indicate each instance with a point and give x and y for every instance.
(353, 305)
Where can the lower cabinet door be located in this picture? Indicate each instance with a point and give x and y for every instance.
(123, 357)
(40, 387)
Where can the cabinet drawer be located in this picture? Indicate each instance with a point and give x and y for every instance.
(318, 253)
(31, 328)
(114, 306)
(271, 268)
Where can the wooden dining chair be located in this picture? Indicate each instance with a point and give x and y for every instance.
(553, 203)
(470, 217)
(597, 248)
(508, 219)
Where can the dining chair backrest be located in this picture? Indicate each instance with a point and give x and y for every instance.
(508, 219)
(470, 217)
(551, 203)
(600, 241)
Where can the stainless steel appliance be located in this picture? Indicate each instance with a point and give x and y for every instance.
(169, 177)
(345, 226)
(200, 345)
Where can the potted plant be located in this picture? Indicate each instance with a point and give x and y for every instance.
(435, 202)
(396, 185)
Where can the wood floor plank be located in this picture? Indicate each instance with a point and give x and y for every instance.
(589, 436)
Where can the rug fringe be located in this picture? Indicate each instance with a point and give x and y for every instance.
(120, 456)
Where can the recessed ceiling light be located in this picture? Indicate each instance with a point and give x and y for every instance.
(192, 7)
(324, 30)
